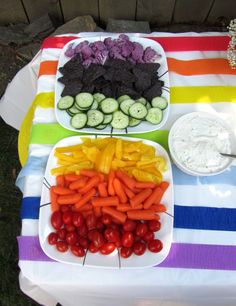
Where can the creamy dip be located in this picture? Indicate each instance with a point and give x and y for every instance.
(197, 142)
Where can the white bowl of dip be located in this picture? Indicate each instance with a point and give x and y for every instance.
(196, 141)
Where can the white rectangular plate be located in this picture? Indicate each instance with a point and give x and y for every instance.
(64, 119)
(113, 260)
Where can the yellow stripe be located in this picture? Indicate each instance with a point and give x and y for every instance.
(45, 99)
(202, 94)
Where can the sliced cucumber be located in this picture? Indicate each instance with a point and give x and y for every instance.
(134, 122)
(95, 117)
(81, 108)
(120, 121)
(99, 97)
(74, 110)
(125, 105)
(148, 106)
(160, 102)
(154, 115)
(69, 113)
(94, 105)
(138, 111)
(109, 105)
(101, 126)
(142, 100)
(123, 98)
(65, 102)
(107, 119)
(79, 121)
(84, 99)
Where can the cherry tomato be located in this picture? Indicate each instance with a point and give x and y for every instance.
(62, 233)
(154, 225)
(139, 248)
(52, 238)
(77, 219)
(77, 250)
(149, 236)
(91, 234)
(98, 239)
(129, 226)
(127, 239)
(67, 217)
(82, 231)
(141, 229)
(64, 208)
(71, 238)
(106, 219)
(107, 248)
(83, 242)
(114, 226)
(56, 219)
(137, 238)
(126, 252)
(92, 248)
(111, 235)
(91, 221)
(70, 228)
(62, 246)
(155, 246)
(100, 226)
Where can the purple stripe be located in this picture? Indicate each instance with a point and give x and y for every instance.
(182, 255)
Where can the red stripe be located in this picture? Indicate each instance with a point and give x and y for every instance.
(184, 43)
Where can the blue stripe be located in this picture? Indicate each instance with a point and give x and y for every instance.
(189, 217)
(228, 177)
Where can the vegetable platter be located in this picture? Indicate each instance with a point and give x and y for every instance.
(112, 85)
(107, 202)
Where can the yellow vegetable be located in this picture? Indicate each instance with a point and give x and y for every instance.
(145, 176)
(104, 161)
(119, 150)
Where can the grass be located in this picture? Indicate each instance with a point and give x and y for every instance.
(10, 223)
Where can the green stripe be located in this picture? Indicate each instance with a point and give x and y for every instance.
(51, 133)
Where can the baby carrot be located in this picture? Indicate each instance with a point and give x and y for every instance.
(164, 185)
(158, 208)
(119, 190)
(111, 177)
(62, 190)
(85, 207)
(120, 216)
(142, 215)
(88, 173)
(53, 198)
(97, 211)
(155, 197)
(93, 182)
(108, 201)
(126, 207)
(70, 177)
(85, 198)
(145, 185)
(102, 190)
(60, 179)
(69, 199)
(128, 192)
(80, 183)
(127, 180)
(140, 197)
(86, 213)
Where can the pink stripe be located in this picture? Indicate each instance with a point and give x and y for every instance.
(182, 255)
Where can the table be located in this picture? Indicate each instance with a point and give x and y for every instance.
(202, 262)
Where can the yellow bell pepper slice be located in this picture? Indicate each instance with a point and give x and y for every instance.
(119, 149)
(105, 159)
(145, 176)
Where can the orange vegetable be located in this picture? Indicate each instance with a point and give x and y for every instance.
(140, 197)
(53, 198)
(145, 185)
(60, 180)
(158, 208)
(142, 215)
(164, 185)
(126, 207)
(88, 173)
(111, 177)
(72, 177)
(119, 190)
(155, 197)
(93, 182)
(97, 211)
(69, 199)
(128, 192)
(86, 213)
(118, 215)
(85, 207)
(85, 198)
(127, 180)
(62, 190)
(80, 183)
(109, 201)
(102, 190)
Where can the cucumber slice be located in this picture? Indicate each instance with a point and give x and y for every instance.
(134, 122)
(79, 121)
(101, 126)
(69, 113)
(142, 100)
(81, 108)
(148, 106)
(74, 110)
(109, 106)
(84, 99)
(138, 111)
(123, 98)
(65, 102)
(95, 117)
(160, 102)
(107, 119)
(99, 97)
(94, 105)
(120, 121)
(125, 106)
(154, 115)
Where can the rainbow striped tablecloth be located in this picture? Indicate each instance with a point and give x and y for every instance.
(203, 253)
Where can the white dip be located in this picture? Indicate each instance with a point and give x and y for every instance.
(197, 142)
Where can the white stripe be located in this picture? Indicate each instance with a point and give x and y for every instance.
(221, 196)
(44, 115)
(51, 54)
(33, 186)
(201, 80)
(46, 83)
(194, 55)
(29, 227)
(39, 150)
(204, 236)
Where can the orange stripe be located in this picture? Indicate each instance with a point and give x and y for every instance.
(200, 66)
(48, 68)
